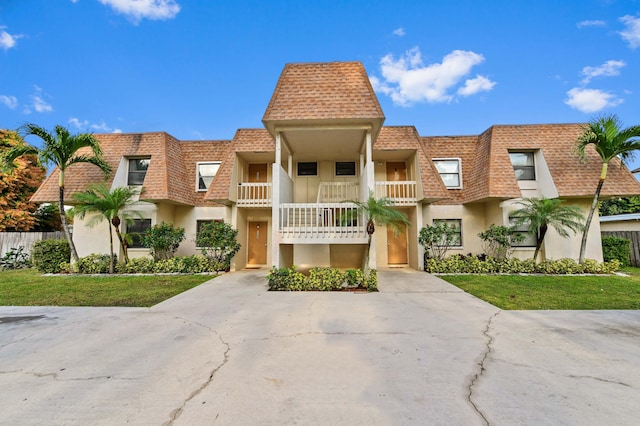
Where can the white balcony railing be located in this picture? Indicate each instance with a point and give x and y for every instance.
(335, 192)
(254, 194)
(402, 192)
(321, 223)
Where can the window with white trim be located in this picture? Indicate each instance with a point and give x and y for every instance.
(136, 229)
(205, 174)
(457, 227)
(449, 169)
(523, 165)
(530, 240)
(137, 170)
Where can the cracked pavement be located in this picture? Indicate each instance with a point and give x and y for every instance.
(228, 352)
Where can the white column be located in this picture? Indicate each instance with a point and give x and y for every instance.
(275, 204)
(290, 166)
(369, 162)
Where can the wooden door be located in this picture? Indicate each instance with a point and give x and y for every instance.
(257, 243)
(397, 246)
(257, 173)
(396, 171)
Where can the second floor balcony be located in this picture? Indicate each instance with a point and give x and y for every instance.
(254, 194)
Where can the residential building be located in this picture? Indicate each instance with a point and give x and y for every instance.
(286, 186)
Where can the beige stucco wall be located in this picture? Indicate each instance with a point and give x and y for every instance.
(92, 239)
(473, 222)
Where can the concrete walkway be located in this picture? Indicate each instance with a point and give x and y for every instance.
(228, 352)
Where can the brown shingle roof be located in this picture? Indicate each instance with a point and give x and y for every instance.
(323, 91)
(487, 171)
(406, 137)
(171, 174)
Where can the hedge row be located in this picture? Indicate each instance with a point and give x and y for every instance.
(473, 265)
(99, 264)
(320, 279)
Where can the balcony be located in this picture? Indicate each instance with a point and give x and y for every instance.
(321, 223)
(402, 192)
(336, 192)
(254, 194)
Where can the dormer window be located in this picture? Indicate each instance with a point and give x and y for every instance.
(449, 169)
(206, 173)
(523, 165)
(137, 170)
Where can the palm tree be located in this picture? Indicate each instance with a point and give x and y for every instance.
(540, 213)
(61, 150)
(610, 140)
(378, 210)
(111, 205)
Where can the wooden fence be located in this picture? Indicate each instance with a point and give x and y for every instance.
(634, 238)
(9, 240)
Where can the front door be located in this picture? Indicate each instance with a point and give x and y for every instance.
(396, 172)
(258, 173)
(257, 244)
(397, 245)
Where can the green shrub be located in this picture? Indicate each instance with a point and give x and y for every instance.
(354, 278)
(614, 248)
(497, 241)
(93, 264)
(15, 258)
(139, 265)
(325, 279)
(217, 241)
(47, 255)
(474, 265)
(163, 240)
(372, 280)
(286, 279)
(195, 264)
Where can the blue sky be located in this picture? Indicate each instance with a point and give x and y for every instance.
(202, 69)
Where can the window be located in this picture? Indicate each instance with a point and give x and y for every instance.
(523, 165)
(137, 230)
(345, 168)
(200, 223)
(137, 170)
(206, 173)
(449, 169)
(457, 226)
(308, 169)
(530, 240)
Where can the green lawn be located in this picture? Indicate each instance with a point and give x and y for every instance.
(553, 291)
(28, 287)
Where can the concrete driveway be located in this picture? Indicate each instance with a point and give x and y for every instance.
(228, 352)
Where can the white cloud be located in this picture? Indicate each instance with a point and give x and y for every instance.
(40, 105)
(476, 85)
(10, 102)
(7, 41)
(608, 69)
(632, 33)
(137, 10)
(591, 100)
(399, 32)
(407, 80)
(84, 125)
(598, 23)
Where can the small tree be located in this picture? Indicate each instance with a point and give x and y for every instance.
(438, 238)
(376, 210)
(541, 213)
(217, 241)
(163, 240)
(498, 240)
(112, 205)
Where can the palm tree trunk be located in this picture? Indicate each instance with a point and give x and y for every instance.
(592, 210)
(65, 227)
(365, 267)
(110, 249)
(543, 232)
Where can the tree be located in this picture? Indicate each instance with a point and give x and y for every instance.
(62, 150)
(163, 240)
(114, 206)
(438, 238)
(217, 241)
(610, 140)
(498, 240)
(17, 213)
(538, 214)
(620, 206)
(378, 210)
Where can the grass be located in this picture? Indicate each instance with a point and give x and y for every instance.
(513, 292)
(28, 287)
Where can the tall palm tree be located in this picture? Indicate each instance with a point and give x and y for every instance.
(112, 205)
(378, 210)
(541, 213)
(610, 140)
(61, 150)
